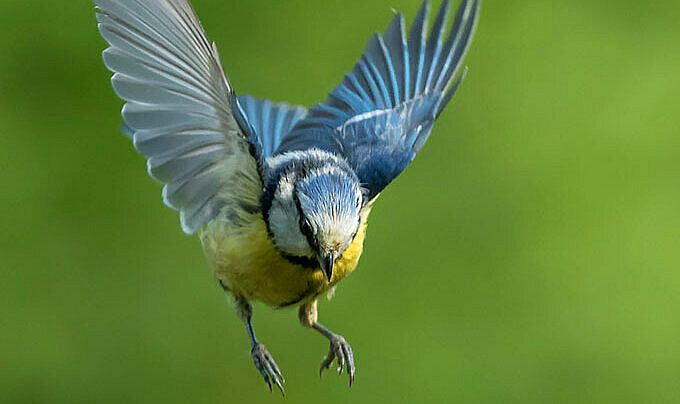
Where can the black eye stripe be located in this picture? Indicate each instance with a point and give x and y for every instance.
(305, 227)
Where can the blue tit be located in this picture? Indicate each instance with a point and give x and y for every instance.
(279, 194)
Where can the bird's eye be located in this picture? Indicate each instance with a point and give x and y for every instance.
(306, 228)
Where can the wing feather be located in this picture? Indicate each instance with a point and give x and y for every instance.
(270, 121)
(396, 44)
(434, 43)
(416, 45)
(179, 107)
(383, 112)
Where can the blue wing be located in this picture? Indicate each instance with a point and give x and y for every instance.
(270, 122)
(383, 112)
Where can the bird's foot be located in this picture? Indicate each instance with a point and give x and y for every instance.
(267, 366)
(341, 350)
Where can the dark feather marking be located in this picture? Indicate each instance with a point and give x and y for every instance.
(308, 292)
(226, 289)
(305, 228)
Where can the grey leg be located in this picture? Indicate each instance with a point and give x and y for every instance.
(262, 359)
(339, 348)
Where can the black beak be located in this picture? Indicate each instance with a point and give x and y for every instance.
(326, 262)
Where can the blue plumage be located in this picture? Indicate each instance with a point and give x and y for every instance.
(269, 121)
(380, 116)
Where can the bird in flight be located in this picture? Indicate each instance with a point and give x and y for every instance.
(279, 194)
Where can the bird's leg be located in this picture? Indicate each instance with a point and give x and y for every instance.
(339, 347)
(261, 357)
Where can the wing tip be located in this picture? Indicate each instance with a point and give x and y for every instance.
(149, 171)
(448, 94)
(184, 223)
(187, 228)
(127, 131)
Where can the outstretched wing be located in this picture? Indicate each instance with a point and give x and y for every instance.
(270, 121)
(383, 112)
(180, 108)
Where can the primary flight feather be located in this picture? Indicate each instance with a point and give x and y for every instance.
(279, 194)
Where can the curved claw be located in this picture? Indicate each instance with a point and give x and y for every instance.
(341, 350)
(264, 362)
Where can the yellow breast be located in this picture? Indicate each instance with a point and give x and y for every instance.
(246, 262)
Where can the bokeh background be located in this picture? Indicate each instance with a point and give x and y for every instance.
(530, 254)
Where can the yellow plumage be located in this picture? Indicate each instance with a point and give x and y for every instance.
(247, 263)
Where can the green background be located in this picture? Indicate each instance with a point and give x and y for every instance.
(529, 255)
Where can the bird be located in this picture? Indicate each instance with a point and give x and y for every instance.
(278, 194)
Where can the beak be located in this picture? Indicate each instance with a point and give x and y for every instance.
(326, 262)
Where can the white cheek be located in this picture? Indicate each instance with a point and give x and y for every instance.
(284, 225)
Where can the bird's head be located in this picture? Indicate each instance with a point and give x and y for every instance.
(315, 211)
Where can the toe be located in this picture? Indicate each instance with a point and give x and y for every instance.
(327, 362)
(341, 359)
(267, 366)
(345, 352)
(273, 376)
(350, 364)
(341, 350)
(276, 370)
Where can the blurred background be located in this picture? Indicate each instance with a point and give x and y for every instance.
(529, 255)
